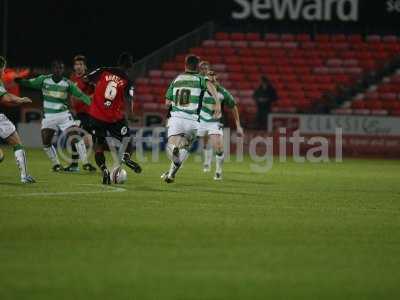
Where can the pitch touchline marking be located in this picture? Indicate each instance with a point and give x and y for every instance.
(106, 189)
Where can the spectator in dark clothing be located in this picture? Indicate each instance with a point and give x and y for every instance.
(264, 95)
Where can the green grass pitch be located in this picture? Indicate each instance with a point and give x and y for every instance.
(301, 231)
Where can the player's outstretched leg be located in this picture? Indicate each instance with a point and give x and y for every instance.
(177, 152)
(79, 149)
(207, 156)
(20, 157)
(47, 136)
(101, 163)
(206, 150)
(219, 161)
(126, 159)
(173, 155)
(217, 143)
(74, 166)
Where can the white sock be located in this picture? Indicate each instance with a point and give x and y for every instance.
(183, 155)
(52, 154)
(207, 152)
(169, 149)
(20, 157)
(219, 161)
(81, 148)
(173, 169)
(176, 165)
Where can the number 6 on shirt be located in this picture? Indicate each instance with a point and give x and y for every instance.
(111, 91)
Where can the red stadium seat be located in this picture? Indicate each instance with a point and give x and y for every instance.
(272, 37)
(170, 74)
(232, 59)
(250, 68)
(237, 76)
(209, 51)
(209, 43)
(234, 68)
(240, 44)
(246, 93)
(258, 44)
(252, 36)
(388, 96)
(222, 36)
(155, 73)
(301, 70)
(303, 37)
(157, 81)
(338, 38)
(363, 111)
(287, 37)
(226, 51)
(237, 36)
(358, 104)
(219, 67)
(373, 104)
(379, 112)
(146, 98)
(391, 105)
(141, 80)
(274, 44)
(323, 38)
(355, 38)
(373, 38)
(224, 43)
(342, 111)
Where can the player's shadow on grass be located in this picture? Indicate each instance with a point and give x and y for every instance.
(80, 173)
(11, 184)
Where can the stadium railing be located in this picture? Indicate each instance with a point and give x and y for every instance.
(169, 51)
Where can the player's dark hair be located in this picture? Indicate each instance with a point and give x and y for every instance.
(192, 62)
(79, 57)
(56, 62)
(125, 60)
(3, 62)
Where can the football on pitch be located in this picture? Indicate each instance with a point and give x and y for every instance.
(119, 175)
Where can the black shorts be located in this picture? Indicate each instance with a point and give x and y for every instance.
(100, 130)
(85, 120)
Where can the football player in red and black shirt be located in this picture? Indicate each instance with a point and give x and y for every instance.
(81, 109)
(107, 111)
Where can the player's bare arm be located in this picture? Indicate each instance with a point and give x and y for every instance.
(10, 99)
(235, 113)
(129, 98)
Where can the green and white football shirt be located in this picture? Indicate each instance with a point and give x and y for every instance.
(207, 112)
(186, 92)
(3, 90)
(55, 94)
